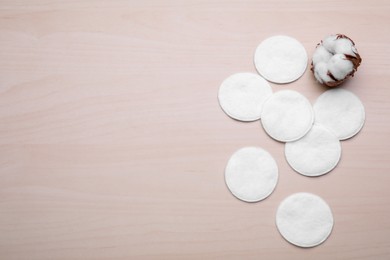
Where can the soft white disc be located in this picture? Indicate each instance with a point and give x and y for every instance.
(251, 174)
(242, 95)
(281, 59)
(317, 153)
(304, 219)
(287, 116)
(340, 111)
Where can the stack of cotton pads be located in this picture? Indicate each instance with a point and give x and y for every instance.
(311, 134)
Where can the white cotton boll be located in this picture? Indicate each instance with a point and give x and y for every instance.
(339, 66)
(329, 43)
(344, 46)
(321, 55)
(334, 60)
(321, 73)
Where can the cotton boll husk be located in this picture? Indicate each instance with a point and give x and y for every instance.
(339, 66)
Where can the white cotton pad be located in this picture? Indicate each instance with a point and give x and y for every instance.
(304, 219)
(287, 116)
(281, 59)
(251, 174)
(317, 153)
(340, 111)
(242, 95)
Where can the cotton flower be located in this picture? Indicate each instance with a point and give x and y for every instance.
(334, 60)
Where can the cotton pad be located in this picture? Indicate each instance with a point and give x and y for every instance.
(251, 174)
(304, 219)
(287, 116)
(242, 95)
(340, 111)
(317, 153)
(281, 59)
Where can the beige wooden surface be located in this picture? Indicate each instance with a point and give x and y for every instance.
(113, 145)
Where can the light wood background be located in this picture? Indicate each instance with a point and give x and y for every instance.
(113, 145)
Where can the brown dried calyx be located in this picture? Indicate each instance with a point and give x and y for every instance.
(334, 60)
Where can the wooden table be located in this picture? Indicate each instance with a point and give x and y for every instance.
(113, 145)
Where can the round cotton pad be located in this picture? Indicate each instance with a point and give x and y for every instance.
(242, 95)
(287, 116)
(317, 153)
(251, 174)
(304, 219)
(281, 59)
(340, 111)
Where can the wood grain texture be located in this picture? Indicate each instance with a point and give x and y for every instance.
(113, 145)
